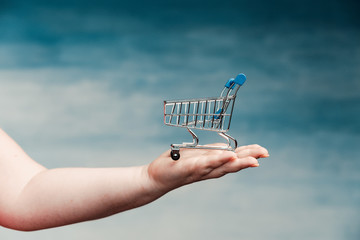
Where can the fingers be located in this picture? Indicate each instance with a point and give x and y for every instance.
(254, 150)
(232, 167)
(245, 156)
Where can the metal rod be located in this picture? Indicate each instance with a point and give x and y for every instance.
(187, 115)
(197, 112)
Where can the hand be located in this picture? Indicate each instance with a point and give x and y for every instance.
(201, 164)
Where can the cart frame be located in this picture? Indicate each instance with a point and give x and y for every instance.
(209, 114)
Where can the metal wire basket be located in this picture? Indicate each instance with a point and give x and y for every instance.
(210, 114)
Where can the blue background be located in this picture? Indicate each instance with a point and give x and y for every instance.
(82, 84)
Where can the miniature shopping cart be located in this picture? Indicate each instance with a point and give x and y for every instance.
(210, 114)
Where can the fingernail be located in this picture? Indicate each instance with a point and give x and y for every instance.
(255, 165)
(265, 155)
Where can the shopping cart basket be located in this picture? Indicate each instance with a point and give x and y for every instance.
(210, 114)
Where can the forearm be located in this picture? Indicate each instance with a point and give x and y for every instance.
(64, 196)
(32, 197)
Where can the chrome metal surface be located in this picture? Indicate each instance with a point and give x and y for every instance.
(210, 114)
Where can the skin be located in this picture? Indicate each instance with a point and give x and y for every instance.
(33, 197)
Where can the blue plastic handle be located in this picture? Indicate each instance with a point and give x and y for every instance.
(240, 79)
(230, 82)
(218, 112)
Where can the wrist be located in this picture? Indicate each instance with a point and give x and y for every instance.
(150, 185)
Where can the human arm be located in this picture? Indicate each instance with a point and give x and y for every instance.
(33, 197)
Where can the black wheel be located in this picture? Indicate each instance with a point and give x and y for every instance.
(175, 154)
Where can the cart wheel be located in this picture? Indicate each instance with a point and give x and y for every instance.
(175, 154)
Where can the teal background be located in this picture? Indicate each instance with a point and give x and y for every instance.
(82, 84)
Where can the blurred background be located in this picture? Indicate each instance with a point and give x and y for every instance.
(82, 84)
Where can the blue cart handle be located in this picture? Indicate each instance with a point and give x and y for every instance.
(240, 79)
